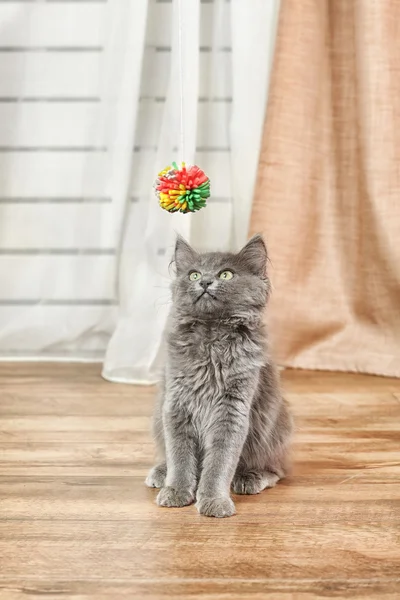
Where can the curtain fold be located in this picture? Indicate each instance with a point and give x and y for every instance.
(327, 195)
(149, 234)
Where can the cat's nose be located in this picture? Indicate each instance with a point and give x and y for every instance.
(205, 283)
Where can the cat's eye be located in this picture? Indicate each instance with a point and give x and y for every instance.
(226, 275)
(194, 276)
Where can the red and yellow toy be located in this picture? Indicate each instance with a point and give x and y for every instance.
(183, 189)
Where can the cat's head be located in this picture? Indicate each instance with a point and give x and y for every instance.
(221, 284)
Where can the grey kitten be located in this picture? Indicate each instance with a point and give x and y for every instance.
(221, 421)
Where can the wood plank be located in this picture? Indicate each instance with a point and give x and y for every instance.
(77, 521)
(221, 589)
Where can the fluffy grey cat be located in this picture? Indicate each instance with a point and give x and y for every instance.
(221, 421)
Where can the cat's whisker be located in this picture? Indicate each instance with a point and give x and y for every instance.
(158, 303)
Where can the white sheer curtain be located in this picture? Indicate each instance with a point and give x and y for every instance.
(226, 63)
(95, 113)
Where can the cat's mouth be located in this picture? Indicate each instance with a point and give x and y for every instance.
(205, 293)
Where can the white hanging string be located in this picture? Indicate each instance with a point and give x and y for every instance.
(180, 54)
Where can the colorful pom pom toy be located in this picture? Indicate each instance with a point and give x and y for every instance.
(182, 189)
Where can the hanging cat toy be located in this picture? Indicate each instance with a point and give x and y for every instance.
(182, 188)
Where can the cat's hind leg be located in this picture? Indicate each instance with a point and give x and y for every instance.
(156, 477)
(265, 457)
(257, 470)
(256, 473)
(251, 482)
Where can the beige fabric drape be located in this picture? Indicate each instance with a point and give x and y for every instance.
(328, 193)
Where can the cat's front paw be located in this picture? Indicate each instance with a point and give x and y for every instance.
(169, 496)
(216, 507)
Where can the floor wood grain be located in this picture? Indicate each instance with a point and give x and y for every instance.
(76, 520)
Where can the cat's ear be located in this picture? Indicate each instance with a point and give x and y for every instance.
(184, 256)
(254, 256)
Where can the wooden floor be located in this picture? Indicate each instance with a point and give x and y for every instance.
(76, 520)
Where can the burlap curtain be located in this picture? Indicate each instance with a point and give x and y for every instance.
(328, 193)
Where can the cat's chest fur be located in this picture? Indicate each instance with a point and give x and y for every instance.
(205, 361)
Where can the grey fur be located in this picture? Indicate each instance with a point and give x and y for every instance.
(221, 421)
